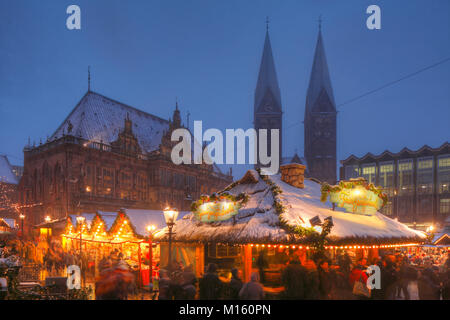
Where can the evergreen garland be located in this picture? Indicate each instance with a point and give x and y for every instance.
(352, 183)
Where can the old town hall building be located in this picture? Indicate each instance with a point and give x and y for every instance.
(320, 113)
(107, 155)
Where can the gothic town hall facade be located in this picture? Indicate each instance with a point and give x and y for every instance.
(106, 156)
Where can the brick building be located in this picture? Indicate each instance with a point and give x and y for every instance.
(106, 156)
(417, 182)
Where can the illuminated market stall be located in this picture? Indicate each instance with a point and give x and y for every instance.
(269, 219)
(128, 231)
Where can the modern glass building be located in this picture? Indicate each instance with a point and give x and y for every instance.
(417, 182)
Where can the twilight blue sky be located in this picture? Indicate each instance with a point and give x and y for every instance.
(207, 52)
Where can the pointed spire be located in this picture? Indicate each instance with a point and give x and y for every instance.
(89, 78)
(320, 77)
(267, 77)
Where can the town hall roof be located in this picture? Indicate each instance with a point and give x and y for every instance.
(100, 119)
(6, 171)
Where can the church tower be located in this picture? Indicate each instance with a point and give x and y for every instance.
(320, 120)
(267, 105)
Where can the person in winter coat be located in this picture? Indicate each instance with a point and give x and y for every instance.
(164, 285)
(357, 273)
(446, 286)
(189, 281)
(325, 280)
(389, 278)
(210, 285)
(252, 290)
(262, 264)
(428, 285)
(235, 284)
(294, 280)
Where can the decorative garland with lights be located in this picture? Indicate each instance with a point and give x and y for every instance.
(309, 233)
(242, 198)
(326, 189)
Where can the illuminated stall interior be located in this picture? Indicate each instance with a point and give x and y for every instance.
(267, 220)
(127, 231)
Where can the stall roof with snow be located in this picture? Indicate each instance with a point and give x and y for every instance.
(138, 218)
(260, 219)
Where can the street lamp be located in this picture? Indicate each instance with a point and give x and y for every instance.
(151, 229)
(170, 215)
(22, 218)
(47, 219)
(80, 221)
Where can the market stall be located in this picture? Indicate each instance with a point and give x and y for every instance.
(260, 222)
(127, 232)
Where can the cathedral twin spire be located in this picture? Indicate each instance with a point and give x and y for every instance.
(320, 143)
(267, 79)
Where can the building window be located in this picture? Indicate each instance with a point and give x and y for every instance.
(405, 177)
(443, 173)
(386, 179)
(369, 172)
(444, 207)
(424, 175)
(425, 205)
(405, 206)
(351, 171)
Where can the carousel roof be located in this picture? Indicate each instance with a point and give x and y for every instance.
(258, 221)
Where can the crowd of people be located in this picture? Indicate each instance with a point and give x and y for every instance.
(421, 275)
(401, 276)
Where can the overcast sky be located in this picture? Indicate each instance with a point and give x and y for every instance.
(207, 53)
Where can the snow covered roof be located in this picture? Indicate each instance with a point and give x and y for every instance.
(139, 219)
(11, 223)
(101, 119)
(6, 171)
(258, 221)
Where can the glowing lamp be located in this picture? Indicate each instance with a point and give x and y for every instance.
(47, 219)
(21, 216)
(151, 228)
(170, 215)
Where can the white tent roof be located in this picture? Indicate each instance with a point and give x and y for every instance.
(258, 221)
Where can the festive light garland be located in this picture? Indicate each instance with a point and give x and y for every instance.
(355, 195)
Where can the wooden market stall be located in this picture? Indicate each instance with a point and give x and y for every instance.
(266, 220)
(124, 232)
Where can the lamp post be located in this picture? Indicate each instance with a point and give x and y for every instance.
(80, 221)
(150, 229)
(22, 217)
(47, 229)
(170, 215)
